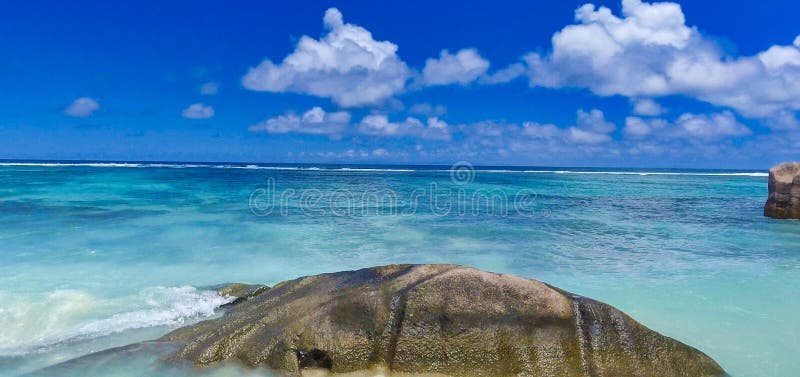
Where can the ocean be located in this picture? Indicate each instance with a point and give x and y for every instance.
(98, 255)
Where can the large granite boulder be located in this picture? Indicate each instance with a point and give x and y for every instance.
(784, 192)
(441, 320)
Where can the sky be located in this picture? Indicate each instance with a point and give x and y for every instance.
(706, 84)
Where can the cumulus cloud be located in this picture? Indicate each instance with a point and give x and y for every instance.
(712, 126)
(504, 75)
(647, 107)
(315, 121)
(706, 127)
(352, 153)
(82, 107)
(784, 121)
(637, 128)
(209, 89)
(463, 67)
(346, 65)
(379, 125)
(198, 111)
(591, 128)
(649, 51)
(587, 137)
(686, 138)
(534, 141)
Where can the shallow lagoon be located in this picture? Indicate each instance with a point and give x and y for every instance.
(100, 256)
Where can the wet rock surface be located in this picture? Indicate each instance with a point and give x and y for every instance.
(434, 319)
(784, 192)
(240, 292)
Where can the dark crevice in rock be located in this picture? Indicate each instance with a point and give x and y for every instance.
(314, 358)
(442, 319)
(395, 324)
(245, 297)
(397, 312)
(233, 303)
(584, 333)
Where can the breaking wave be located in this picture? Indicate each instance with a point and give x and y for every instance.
(370, 169)
(37, 323)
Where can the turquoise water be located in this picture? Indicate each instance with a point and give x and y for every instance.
(95, 256)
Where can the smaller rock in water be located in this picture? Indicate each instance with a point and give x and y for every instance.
(784, 192)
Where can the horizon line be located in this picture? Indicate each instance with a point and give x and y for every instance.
(366, 164)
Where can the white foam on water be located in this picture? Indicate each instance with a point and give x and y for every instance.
(640, 173)
(356, 169)
(37, 323)
(76, 164)
(377, 170)
(644, 173)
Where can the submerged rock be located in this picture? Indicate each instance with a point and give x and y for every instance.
(435, 319)
(784, 191)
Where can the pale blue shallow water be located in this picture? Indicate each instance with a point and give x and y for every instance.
(99, 256)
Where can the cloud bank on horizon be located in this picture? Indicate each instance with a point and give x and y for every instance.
(646, 54)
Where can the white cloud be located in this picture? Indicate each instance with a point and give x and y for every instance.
(82, 107)
(591, 128)
(714, 126)
(777, 57)
(346, 65)
(689, 137)
(463, 67)
(380, 152)
(315, 121)
(352, 153)
(534, 142)
(198, 111)
(595, 121)
(540, 131)
(650, 51)
(647, 107)
(707, 137)
(636, 127)
(688, 126)
(437, 130)
(209, 89)
(504, 75)
(783, 121)
(587, 137)
(379, 125)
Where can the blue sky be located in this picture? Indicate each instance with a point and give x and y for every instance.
(616, 83)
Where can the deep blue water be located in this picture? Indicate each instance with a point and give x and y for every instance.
(96, 255)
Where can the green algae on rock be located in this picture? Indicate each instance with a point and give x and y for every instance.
(435, 319)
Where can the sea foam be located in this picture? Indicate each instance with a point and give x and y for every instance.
(367, 169)
(35, 324)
